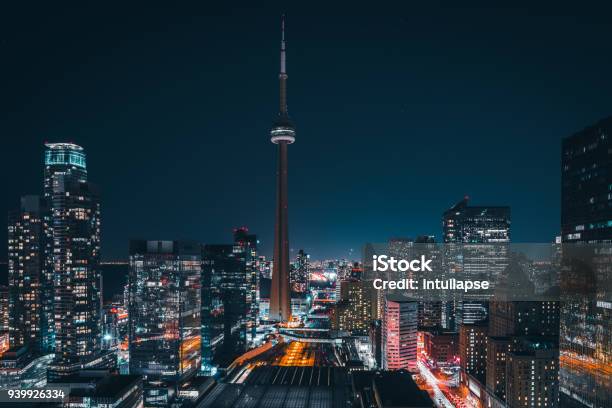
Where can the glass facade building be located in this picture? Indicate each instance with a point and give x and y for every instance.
(164, 310)
(72, 257)
(225, 309)
(247, 245)
(481, 234)
(586, 218)
(300, 272)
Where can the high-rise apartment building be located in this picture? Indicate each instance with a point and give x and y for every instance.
(72, 260)
(26, 278)
(356, 306)
(533, 376)
(399, 334)
(515, 325)
(473, 349)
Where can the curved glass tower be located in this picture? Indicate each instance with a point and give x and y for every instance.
(72, 303)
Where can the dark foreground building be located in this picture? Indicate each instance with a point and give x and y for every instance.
(384, 389)
(225, 308)
(98, 390)
(290, 387)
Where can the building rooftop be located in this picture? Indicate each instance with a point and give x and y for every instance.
(389, 389)
(288, 387)
(100, 385)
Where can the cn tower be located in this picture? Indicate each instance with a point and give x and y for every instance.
(282, 134)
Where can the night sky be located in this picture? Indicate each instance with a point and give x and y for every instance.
(400, 112)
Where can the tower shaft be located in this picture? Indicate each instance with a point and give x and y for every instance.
(280, 300)
(282, 134)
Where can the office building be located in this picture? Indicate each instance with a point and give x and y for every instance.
(586, 217)
(476, 238)
(468, 224)
(441, 347)
(100, 390)
(224, 307)
(498, 349)
(247, 245)
(533, 376)
(22, 367)
(512, 323)
(430, 314)
(399, 334)
(473, 350)
(164, 315)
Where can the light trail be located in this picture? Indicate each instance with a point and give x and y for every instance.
(439, 397)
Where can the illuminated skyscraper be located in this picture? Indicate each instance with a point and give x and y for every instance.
(464, 223)
(164, 315)
(247, 246)
(282, 134)
(586, 217)
(299, 272)
(26, 256)
(4, 309)
(473, 349)
(356, 306)
(477, 240)
(399, 334)
(72, 258)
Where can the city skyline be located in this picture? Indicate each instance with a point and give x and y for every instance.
(136, 93)
(439, 257)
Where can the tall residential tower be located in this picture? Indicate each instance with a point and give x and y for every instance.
(72, 260)
(282, 134)
(25, 273)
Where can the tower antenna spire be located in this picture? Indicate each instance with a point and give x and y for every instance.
(283, 67)
(282, 77)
